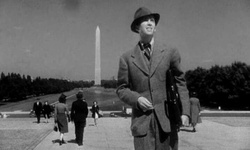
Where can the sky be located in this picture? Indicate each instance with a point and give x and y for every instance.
(56, 38)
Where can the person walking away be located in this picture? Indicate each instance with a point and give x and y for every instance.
(142, 85)
(61, 115)
(95, 112)
(46, 111)
(37, 108)
(195, 110)
(79, 113)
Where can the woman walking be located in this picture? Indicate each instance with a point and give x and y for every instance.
(195, 110)
(95, 112)
(61, 114)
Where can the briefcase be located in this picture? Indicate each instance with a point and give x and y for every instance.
(173, 103)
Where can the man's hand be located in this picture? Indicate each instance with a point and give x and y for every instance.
(145, 104)
(185, 120)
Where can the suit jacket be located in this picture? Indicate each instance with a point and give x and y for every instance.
(79, 111)
(38, 107)
(138, 78)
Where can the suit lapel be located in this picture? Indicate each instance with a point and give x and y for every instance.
(139, 61)
(156, 58)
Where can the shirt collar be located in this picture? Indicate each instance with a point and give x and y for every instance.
(151, 43)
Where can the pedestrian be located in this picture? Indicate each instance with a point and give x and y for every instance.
(142, 85)
(195, 109)
(95, 112)
(38, 108)
(79, 113)
(61, 115)
(46, 111)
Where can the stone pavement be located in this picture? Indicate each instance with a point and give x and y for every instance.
(114, 134)
(215, 136)
(109, 134)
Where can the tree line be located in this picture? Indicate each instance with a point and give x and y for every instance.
(14, 87)
(227, 87)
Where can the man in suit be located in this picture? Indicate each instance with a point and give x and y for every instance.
(142, 85)
(38, 107)
(79, 113)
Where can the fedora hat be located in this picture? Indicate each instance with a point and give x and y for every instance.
(140, 14)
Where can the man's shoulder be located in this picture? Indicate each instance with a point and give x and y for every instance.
(168, 50)
(129, 52)
(166, 47)
(74, 102)
(77, 102)
(84, 102)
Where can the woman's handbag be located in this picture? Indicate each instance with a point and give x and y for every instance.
(55, 128)
(173, 103)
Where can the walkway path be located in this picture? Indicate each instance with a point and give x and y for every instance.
(114, 134)
(109, 134)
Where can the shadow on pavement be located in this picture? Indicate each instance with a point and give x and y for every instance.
(186, 130)
(72, 141)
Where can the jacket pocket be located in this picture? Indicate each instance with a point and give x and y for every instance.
(140, 125)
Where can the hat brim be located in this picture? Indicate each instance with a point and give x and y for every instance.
(137, 21)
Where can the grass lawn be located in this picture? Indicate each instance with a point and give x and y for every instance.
(27, 105)
(106, 99)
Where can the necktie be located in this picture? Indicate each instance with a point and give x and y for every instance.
(147, 48)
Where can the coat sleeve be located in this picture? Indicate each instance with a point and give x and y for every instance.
(180, 82)
(97, 109)
(55, 114)
(123, 91)
(86, 110)
(34, 106)
(72, 113)
(199, 106)
(67, 112)
(93, 109)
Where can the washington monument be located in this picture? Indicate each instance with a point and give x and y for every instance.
(97, 57)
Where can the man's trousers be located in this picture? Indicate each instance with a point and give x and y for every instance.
(38, 116)
(156, 139)
(79, 129)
